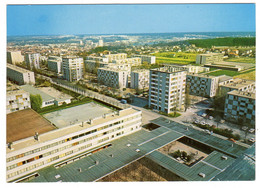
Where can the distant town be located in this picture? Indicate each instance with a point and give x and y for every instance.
(131, 107)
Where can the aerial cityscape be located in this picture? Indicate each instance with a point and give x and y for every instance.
(117, 93)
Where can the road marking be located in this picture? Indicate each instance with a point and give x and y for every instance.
(153, 138)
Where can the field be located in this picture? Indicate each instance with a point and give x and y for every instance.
(250, 74)
(242, 60)
(175, 57)
(247, 76)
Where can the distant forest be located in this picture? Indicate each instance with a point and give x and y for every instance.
(227, 41)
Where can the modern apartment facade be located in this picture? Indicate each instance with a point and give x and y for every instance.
(209, 58)
(72, 68)
(140, 79)
(118, 56)
(167, 89)
(113, 77)
(134, 61)
(32, 60)
(14, 57)
(92, 63)
(54, 64)
(24, 157)
(19, 75)
(147, 58)
(240, 107)
(202, 85)
(17, 100)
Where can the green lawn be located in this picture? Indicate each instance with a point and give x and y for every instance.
(175, 57)
(228, 73)
(242, 60)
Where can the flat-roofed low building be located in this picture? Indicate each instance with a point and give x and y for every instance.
(17, 100)
(134, 61)
(54, 64)
(209, 58)
(238, 84)
(202, 85)
(140, 79)
(26, 156)
(14, 57)
(19, 75)
(47, 100)
(113, 77)
(240, 107)
(167, 89)
(147, 58)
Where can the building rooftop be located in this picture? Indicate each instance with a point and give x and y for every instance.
(66, 117)
(239, 83)
(211, 54)
(34, 91)
(114, 68)
(23, 124)
(169, 69)
(55, 93)
(242, 94)
(224, 78)
(141, 70)
(147, 142)
(19, 69)
(202, 75)
(77, 126)
(15, 92)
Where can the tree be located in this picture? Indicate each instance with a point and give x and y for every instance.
(36, 102)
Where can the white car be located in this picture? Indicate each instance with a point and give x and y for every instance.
(203, 123)
(210, 117)
(251, 140)
(222, 121)
(204, 115)
(196, 122)
(251, 130)
(244, 128)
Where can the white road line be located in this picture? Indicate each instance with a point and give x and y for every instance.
(153, 138)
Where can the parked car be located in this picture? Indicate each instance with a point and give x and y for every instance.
(244, 128)
(251, 140)
(203, 123)
(251, 130)
(210, 117)
(222, 121)
(204, 115)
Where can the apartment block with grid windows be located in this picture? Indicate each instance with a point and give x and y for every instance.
(72, 68)
(46, 145)
(118, 56)
(240, 107)
(147, 58)
(113, 77)
(140, 79)
(167, 89)
(19, 75)
(32, 60)
(17, 100)
(54, 64)
(209, 58)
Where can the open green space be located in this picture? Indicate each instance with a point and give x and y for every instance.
(242, 60)
(229, 72)
(176, 57)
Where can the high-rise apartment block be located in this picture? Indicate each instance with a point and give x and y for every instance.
(209, 58)
(240, 107)
(92, 63)
(113, 77)
(32, 60)
(147, 58)
(17, 100)
(72, 68)
(54, 64)
(14, 57)
(167, 89)
(140, 79)
(118, 56)
(19, 75)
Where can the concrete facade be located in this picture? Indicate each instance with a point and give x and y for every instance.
(54, 64)
(29, 155)
(17, 100)
(118, 56)
(209, 58)
(19, 75)
(167, 89)
(32, 60)
(113, 77)
(147, 58)
(140, 79)
(240, 107)
(72, 68)
(15, 57)
(134, 61)
(238, 84)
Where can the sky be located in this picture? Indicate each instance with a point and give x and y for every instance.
(116, 19)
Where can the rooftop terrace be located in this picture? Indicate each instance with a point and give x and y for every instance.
(19, 69)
